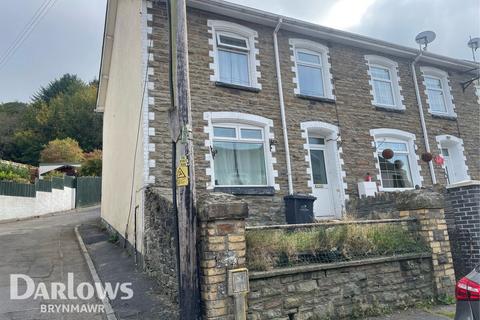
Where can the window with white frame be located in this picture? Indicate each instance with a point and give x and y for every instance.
(384, 82)
(401, 171)
(239, 155)
(439, 98)
(234, 54)
(312, 69)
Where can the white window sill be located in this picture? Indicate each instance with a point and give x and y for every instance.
(315, 98)
(237, 86)
(387, 107)
(394, 189)
(447, 116)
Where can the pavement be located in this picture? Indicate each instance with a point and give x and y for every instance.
(46, 250)
(432, 313)
(114, 264)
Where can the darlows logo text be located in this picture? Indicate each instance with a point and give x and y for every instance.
(24, 287)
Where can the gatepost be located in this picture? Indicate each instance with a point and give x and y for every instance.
(428, 208)
(223, 278)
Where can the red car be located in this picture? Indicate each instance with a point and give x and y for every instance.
(467, 293)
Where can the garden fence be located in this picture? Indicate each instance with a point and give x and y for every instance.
(280, 246)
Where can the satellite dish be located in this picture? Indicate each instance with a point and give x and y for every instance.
(474, 43)
(425, 37)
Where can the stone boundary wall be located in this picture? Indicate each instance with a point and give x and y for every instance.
(160, 242)
(340, 290)
(462, 214)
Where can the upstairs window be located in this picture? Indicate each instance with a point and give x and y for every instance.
(437, 90)
(233, 59)
(312, 69)
(382, 85)
(234, 54)
(310, 73)
(384, 82)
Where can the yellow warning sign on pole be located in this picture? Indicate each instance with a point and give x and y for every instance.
(182, 173)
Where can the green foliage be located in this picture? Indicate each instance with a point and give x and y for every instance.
(267, 249)
(92, 165)
(63, 109)
(62, 150)
(10, 115)
(67, 84)
(9, 172)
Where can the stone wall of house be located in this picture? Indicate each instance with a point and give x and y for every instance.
(160, 242)
(352, 111)
(382, 206)
(463, 220)
(341, 291)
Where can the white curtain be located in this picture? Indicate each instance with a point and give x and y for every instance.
(233, 67)
(238, 164)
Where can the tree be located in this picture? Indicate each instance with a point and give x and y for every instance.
(62, 150)
(65, 108)
(10, 115)
(92, 165)
(68, 83)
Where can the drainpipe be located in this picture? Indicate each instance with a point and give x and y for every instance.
(282, 106)
(422, 118)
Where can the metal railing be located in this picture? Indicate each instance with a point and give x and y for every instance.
(280, 246)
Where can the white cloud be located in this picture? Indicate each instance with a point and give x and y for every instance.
(346, 13)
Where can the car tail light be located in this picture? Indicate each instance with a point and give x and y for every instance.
(467, 290)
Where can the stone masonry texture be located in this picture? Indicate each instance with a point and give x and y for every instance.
(341, 293)
(352, 111)
(463, 220)
(160, 245)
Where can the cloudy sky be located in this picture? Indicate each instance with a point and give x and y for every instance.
(68, 39)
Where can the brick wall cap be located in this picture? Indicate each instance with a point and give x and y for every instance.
(419, 199)
(221, 206)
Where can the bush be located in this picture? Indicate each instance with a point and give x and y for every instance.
(13, 173)
(92, 166)
(62, 150)
(267, 249)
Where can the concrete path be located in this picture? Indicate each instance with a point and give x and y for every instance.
(46, 250)
(434, 313)
(113, 264)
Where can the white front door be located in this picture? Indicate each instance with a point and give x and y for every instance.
(449, 166)
(321, 170)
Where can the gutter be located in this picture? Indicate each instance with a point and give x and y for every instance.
(422, 117)
(295, 25)
(106, 58)
(282, 106)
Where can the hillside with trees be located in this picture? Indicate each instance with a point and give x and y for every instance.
(62, 110)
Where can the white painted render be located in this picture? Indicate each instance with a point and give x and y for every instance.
(44, 202)
(123, 127)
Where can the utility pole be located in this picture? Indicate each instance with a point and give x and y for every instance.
(180, 121)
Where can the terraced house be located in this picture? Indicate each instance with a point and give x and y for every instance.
(279, 106)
